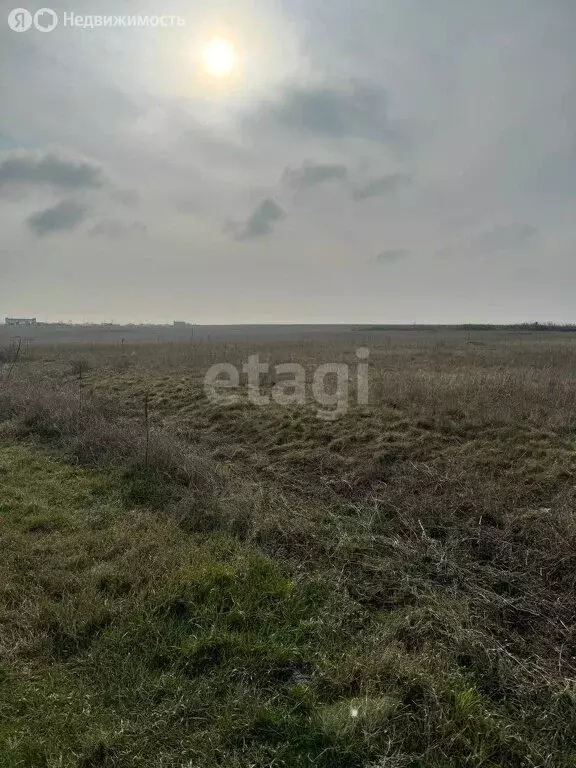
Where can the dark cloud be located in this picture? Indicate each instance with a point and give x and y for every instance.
(67, 215)
(507, 237)
(311, 174)
(355, 110)
(261, 221)
(32, 168)
(382, 186)
(112, 228)
(392, 255)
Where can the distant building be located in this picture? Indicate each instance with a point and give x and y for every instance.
(21, 321)
(181, 324)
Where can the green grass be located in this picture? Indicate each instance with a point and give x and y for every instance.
(129, 643)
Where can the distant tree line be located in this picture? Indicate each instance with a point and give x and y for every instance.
(536, 326)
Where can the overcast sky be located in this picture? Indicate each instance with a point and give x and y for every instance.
(366, 161)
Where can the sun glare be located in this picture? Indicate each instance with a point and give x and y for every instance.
(219, 57)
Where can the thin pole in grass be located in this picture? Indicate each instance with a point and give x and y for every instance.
(147, 427)
(14, 359)
(80, 369)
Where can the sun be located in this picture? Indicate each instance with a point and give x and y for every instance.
(219, 57)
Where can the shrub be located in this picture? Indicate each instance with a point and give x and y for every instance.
(80, 367)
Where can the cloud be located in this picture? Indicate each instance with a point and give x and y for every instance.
(33, 169)
(382, 186)
(507, 237)
(361, 82)
(314, 174)
(392, 255)
(261, 221)
(112, 228)
(65, 216)
(503, 238)
(355, 110)
(311, 174)
(127, 197)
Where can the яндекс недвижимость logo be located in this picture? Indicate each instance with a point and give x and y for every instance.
(46, 20)
(21, 20)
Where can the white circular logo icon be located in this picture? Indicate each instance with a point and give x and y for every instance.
(45, 20)
(19, 20)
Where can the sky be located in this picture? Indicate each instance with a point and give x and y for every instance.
(370, 161)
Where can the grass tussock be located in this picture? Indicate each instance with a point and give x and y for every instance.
(94, 433)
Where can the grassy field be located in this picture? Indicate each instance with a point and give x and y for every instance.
(188, 584)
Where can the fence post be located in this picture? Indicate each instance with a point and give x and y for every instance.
(147, 425)
(80, 369)
(14, 359)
